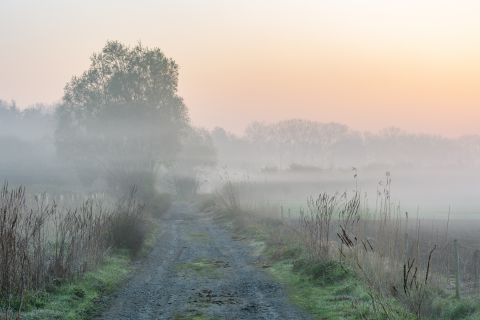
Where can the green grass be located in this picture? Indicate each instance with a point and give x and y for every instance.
(204, 268)
(78, 299)
(150, 238)
(195, 316)
(328, 291)
(333, 301)
(449, 308)
(200, 236)
(325, 290)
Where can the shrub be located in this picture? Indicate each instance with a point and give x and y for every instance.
(41, 244)
(159, 204)
(128, 232)
(186, 186)
(128, 225)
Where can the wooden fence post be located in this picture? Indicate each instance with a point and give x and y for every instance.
(476, 271)
(457, 269)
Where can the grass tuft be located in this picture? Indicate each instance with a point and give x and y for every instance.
(79, 299)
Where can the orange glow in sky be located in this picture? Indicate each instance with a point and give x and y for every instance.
(366, 63)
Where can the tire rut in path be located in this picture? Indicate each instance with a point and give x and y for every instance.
(197, 269)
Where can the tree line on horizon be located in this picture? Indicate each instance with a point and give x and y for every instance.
(334, 145)
(123, 120)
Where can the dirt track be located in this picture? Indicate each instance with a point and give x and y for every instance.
(198, 269)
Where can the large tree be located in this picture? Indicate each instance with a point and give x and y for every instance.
(122, 117)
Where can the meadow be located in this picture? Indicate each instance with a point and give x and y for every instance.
(390, 263)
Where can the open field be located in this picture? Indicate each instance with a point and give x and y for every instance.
(428, 267)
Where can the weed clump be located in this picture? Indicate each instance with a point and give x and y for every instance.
(325, 273)
(43, 246)
(128, 226)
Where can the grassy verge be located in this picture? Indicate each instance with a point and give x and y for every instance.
(82, 298)
(326, 290)
(330, 290)
(79, 299)
(333, 300)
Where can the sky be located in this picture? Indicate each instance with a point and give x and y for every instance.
(371, 64)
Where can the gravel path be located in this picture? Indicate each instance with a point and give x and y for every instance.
(197, 270)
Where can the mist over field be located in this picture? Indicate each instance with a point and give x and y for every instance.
(118, 159)
(293, 159)
(303, 157)
(239, 160)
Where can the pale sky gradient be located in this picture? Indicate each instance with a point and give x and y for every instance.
(414, 64)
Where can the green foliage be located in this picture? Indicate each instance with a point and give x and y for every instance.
(120, 74)
(322, 272)
(122, 117)
(462, 310)
(449, 308)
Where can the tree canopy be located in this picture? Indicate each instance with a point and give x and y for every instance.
(122, 116)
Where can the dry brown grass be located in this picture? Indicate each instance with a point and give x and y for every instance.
(397, 256)
(41, 243)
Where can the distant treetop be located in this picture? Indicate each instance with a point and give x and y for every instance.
(120, 74)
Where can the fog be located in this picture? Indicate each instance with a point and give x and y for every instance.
(120, 123)
(240, 160)
(117, 168)
(28, 153)
(294, 159)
